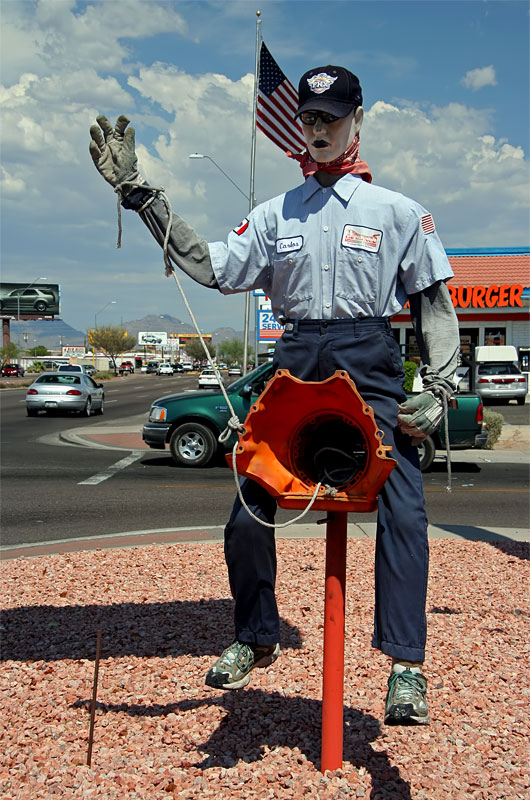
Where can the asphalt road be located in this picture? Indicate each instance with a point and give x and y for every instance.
(45, 496)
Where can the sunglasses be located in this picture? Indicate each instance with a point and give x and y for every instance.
(310, 117)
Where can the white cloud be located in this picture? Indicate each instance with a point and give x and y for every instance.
(476, 79)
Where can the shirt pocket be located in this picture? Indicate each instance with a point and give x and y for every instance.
(357, 277)
(292, 284)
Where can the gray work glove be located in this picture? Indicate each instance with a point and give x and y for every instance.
(420, 415)
(112, 151)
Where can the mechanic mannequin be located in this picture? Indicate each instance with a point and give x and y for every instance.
(337, 256)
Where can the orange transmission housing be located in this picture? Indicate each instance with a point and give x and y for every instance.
(296, 427)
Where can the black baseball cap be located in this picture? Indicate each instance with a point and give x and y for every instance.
(334, 90)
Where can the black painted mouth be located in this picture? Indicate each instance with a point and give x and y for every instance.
(320, 143)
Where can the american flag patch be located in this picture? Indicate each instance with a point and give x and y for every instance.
(241, 228)
(427, 223)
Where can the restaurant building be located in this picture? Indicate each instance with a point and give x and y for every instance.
(491, 295)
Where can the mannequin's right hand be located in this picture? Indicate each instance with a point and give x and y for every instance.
(112, 150)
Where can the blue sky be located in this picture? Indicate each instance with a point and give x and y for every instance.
(445, 88)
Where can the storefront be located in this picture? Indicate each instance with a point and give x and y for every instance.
(491, 294)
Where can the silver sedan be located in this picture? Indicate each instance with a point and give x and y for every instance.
(59, 391)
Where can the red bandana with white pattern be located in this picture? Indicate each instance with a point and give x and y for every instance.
(349, 161)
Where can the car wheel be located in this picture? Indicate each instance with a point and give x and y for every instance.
(101, 409)
(192, 445)
(32, 412)
(87, 411)
(426, 453)
(40, 306)
(520, 401)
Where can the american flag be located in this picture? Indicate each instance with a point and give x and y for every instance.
(427, 223)
(277, 104)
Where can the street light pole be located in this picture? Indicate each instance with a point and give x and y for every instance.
(247, 296)
(110, 303)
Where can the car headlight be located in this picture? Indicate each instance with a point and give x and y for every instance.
(157, 414)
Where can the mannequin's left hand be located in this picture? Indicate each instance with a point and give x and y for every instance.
(420, 415)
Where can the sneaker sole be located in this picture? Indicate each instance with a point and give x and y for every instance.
(266, 661)
(401, 714)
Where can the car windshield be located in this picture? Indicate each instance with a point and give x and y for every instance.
(65, 379)
(498, 369)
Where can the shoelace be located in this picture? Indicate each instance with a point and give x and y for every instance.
(408, 687)
(232, 654)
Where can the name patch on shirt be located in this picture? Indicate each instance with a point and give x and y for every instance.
(289, 245)
(359, 237)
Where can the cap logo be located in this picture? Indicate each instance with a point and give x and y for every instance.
(321, 82)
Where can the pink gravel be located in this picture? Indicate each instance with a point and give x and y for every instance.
(165, 612)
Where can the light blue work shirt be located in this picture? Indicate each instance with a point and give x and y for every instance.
(349, 250)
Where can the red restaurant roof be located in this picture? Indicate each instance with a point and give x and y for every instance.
(485, 270)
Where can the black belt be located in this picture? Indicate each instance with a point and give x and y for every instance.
(345, 323)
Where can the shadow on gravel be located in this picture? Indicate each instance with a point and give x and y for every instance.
(144, 630)
(255, 720)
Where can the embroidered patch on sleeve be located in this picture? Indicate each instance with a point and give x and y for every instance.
(427, 223)
(241, 228)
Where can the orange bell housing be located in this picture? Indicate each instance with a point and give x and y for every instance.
(299, 433)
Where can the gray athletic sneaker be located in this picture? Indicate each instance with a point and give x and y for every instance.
(232, 669)
(405, 699)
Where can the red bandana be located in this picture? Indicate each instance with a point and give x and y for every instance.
(349, 161)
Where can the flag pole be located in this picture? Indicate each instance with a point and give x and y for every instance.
(251, 199)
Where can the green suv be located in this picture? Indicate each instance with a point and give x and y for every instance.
(190, 422)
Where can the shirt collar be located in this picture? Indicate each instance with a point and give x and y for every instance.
(344, 187)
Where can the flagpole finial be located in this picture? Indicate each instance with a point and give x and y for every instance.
(258, 13)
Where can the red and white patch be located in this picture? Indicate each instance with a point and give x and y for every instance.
(427, 223)
(241, 228)
(359, 237)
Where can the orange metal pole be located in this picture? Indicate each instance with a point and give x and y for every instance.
(333, 670)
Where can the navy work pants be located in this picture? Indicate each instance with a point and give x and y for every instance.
(312, 350)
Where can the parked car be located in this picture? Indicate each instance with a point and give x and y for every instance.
(502, 381)
(12, 371)
(190, 422)
(152, 367)
(143, 368)
(63, 391)
(187, 366)
(234, 370)
(177, 367)
(126, 368)
(208, 379)
(165, 369)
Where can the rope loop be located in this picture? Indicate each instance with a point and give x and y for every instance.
(233, 424)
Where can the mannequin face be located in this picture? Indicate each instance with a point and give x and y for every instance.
(327, 141)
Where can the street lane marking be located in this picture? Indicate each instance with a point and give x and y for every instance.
(112, 470)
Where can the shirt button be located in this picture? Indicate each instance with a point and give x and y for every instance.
(359, 260)
(325, 228)
(290, 261)
(326, 266)
(324, 191)
(328, 305)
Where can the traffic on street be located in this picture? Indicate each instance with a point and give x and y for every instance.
(56, 487)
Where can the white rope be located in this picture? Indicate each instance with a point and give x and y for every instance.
(448, 488)
(262, 521)
(234, 423)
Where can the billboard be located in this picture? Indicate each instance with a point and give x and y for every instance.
(152, 338)
(32, 298)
